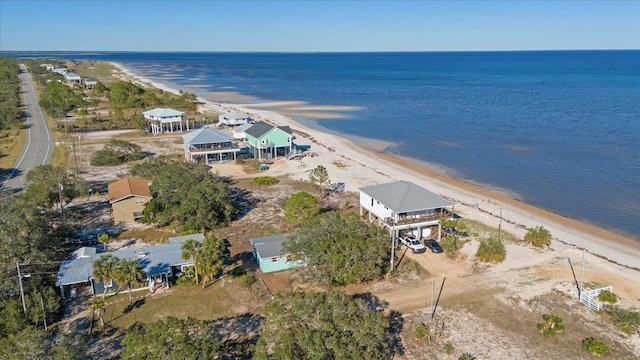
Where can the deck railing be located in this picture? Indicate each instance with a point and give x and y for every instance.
(403, 219)
(194, 149)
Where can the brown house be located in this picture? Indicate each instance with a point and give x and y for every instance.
(127, 198)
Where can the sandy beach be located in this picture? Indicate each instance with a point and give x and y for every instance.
(357, 166)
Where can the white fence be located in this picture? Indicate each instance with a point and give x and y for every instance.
(590, 298)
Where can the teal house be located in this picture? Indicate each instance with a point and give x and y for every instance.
(268, 253)
(269, 142)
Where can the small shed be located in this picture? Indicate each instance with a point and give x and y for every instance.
(268, 253)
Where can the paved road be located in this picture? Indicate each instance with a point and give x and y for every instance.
(37, 150)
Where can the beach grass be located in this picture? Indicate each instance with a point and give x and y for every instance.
(11, 144)
(97, 69)
(477, 229)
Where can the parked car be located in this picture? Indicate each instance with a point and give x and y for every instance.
(433, 246)
(413, 243)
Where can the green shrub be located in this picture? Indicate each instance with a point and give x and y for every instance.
(448, 348)
(265, 180)
(626, 320)
(449, 244)
(420, 331)
(116, 152)
(244, 277)
(552, 325)
(538, 236)
(608, 297)
(491, 250)
(467, 356)
(595, 346)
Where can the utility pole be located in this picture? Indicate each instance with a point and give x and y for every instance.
(24, 304)
(73, 147)
(44, 314)
(60, 188)
(393, 244)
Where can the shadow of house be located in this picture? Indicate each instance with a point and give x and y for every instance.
(159, 263)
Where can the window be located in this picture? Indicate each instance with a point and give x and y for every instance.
(139, 201)
(287, 258)
(137, 214)
(274, 259)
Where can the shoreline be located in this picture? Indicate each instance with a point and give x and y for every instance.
(472, 201)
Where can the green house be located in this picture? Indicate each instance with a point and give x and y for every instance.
(269, 142)
(268, 253)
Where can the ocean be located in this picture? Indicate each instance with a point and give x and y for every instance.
(559, 130)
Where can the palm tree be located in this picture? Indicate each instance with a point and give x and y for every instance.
(210, 258)
(104, 269)
(128, 271)
(99, 307)
(467, 356)
(538, 236)
(190, 250)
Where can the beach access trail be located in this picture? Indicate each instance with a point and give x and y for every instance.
(358, 166)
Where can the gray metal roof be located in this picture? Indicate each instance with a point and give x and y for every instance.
(206, 136)
(162, 113)
(183, 238)
(235, 115)
(242, 128)
(260, 128)
(405, 196)
(269, 246)
(156, 259)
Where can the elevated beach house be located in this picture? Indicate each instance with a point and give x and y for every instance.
(269, 142)
(209, 145)
(127, 198)
(234, 118)
(163, 120)
(160, 264)
(268, 253)
(403, 206)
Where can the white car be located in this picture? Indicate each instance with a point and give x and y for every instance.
(413, 243)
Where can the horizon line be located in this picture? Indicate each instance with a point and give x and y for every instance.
(304, 51)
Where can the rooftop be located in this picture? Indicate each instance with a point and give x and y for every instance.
(260, 128)
(269, 246)
(205, 136)
(124, 188)
(405, 196)
(156, 259)
(162, 113)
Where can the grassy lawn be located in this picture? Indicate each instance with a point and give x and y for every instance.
(11, 143)
(182, 301)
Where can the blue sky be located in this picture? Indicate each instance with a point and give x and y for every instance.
(318, 26)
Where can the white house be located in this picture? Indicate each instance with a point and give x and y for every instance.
(234, 118)
(60, 70)
(49, 67)
(164, 120)
(72, 78)
(403, 206)
(239, 131)
(209, 145)
(89, 83)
